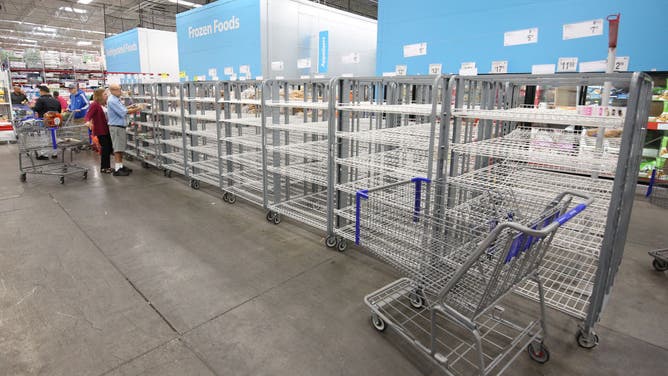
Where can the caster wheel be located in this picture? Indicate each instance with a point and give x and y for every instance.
(416, 300)
(587, 341)
(145, 165)
(330, 241)
(659, 265)
(270, 216)
(538, 352)
(62, 180)
(23, 178)
(231, 198)
(85, 175)
(277, 219)
(342, 245)
(169, 173)
(225, 196)
(194, 184)
(378, 323)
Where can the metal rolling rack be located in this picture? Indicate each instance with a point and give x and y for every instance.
(169, 113)
(496, 145)
(385, 130)
(240, 141)
(143, 136)
(201, 115)
(295, 126)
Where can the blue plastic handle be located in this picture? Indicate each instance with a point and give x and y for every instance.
(361, 194)
(570, 214)
(53, 138)
(418, 196)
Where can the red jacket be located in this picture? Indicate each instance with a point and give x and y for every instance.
(63, 102)
(99, 118)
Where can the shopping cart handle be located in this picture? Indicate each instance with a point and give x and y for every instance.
(361, 194)
(570, 214)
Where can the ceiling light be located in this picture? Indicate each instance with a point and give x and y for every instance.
(186, 3)
(73, 10)
(84, 43)
(85, 2)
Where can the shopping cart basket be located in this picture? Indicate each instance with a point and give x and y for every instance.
(660, 262)
(461, 261)
(47, 135)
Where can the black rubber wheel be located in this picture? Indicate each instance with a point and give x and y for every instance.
(85, 175)
(62, 180)
(169, 173)
(660, 265)
(194, 184)
(342, 245)
(331, 241)
(587, 342)
(416, 300)
(145, 165)
(270, 216)
(164, 173)
(277, 219)
(23, 177)
(378, 323)
(231, 198)
(225, 196)
(538, 352)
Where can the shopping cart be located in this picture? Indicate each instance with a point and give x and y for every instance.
(657, 193)
(660, 262)
(50, 135)
(460, 262)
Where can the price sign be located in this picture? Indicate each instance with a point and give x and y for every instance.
(622, 63)
(277, 65)
(525, 36)
(500, 66)
(543, 69)
(401, 70)
(468, 69)
(582, 29)
(435, 69)
(280, 77)
(228, 71)
(346, 75)
(417, 49)
(567, 64)
(304, 76)
(304, 63)
(244, 69)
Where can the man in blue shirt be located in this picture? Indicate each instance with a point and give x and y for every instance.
(78, 103)
(117, 112)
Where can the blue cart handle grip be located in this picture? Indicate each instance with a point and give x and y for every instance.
(570, 214)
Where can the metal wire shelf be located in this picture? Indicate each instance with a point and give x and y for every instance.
(310, 209)
(298, 104)
(312, 172)
(544, 116)
(402, 109)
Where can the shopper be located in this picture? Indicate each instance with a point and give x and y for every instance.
(18, 96)
(63, 101)
(96, 119)
(46, 103)
(78, 103)
(117, 122)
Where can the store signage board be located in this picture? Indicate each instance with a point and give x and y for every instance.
(582, 29)
(323, 51)
(499, 67)
(304, 63)
(352, 58)
(417, 49)
(593, 66)
(543, 69)
(435, 69)
(567, 64)
(276, 66)
(621, 63)
(121, 52)
(401, 70)
(517, 37)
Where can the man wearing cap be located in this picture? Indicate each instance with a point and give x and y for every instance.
(78, 103)
(117, 113)
(18, 96)
(46, 103)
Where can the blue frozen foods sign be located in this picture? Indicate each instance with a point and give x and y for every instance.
(122, 52)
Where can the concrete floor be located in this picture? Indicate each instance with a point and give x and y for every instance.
(144, 276)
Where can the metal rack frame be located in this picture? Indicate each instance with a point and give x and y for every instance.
(143, 136)
(170, 122)
(202, 132)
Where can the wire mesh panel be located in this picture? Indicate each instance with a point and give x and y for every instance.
(170, 123)
(201, 114)
(385, 130)
(295, 121)
(241, 141)
(143, 134)
(499, 141)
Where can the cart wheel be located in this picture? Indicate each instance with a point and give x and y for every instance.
(660, 265)
(270, 216)
(416, 299)
(538, 352)
(330, 241)
(145, 165)
(169, 173)
(225, 196)
(194, 184)
(342, 245)
(62, 179)
(231, 198)
(129, 158)
(23, 177)
(587, 341)
(164, 173)
(85, 175)
(377, 322)
(277, 219)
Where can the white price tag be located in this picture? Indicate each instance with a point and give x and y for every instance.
(468, 65)
(346, 75)
(593, 66)
(242, 78)
(435, 69)
(244, 69)
(259, 78)
(622, 63)
(353, 58)
(543, 69)
(525, 36)
(468, 69)
(304, 63)
(400, 70)
(500, 66)
(233, 77)
(277, 66)
(318, 76)
(304, 77)
(280, 77)
(582, 29)
(417, 49)
(228, 71)
(389, 74)
(213, 72)
(567, 64)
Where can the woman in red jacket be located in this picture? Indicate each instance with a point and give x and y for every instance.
(97, 121)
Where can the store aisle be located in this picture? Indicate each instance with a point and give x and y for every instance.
(142, 275)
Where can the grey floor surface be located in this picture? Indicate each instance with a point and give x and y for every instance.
(144, 276)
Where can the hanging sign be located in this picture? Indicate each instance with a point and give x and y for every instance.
(525, 36)
(583, 29)
(417, 49)
(500, 66)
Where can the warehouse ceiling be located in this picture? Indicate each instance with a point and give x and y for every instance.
(80, 25)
